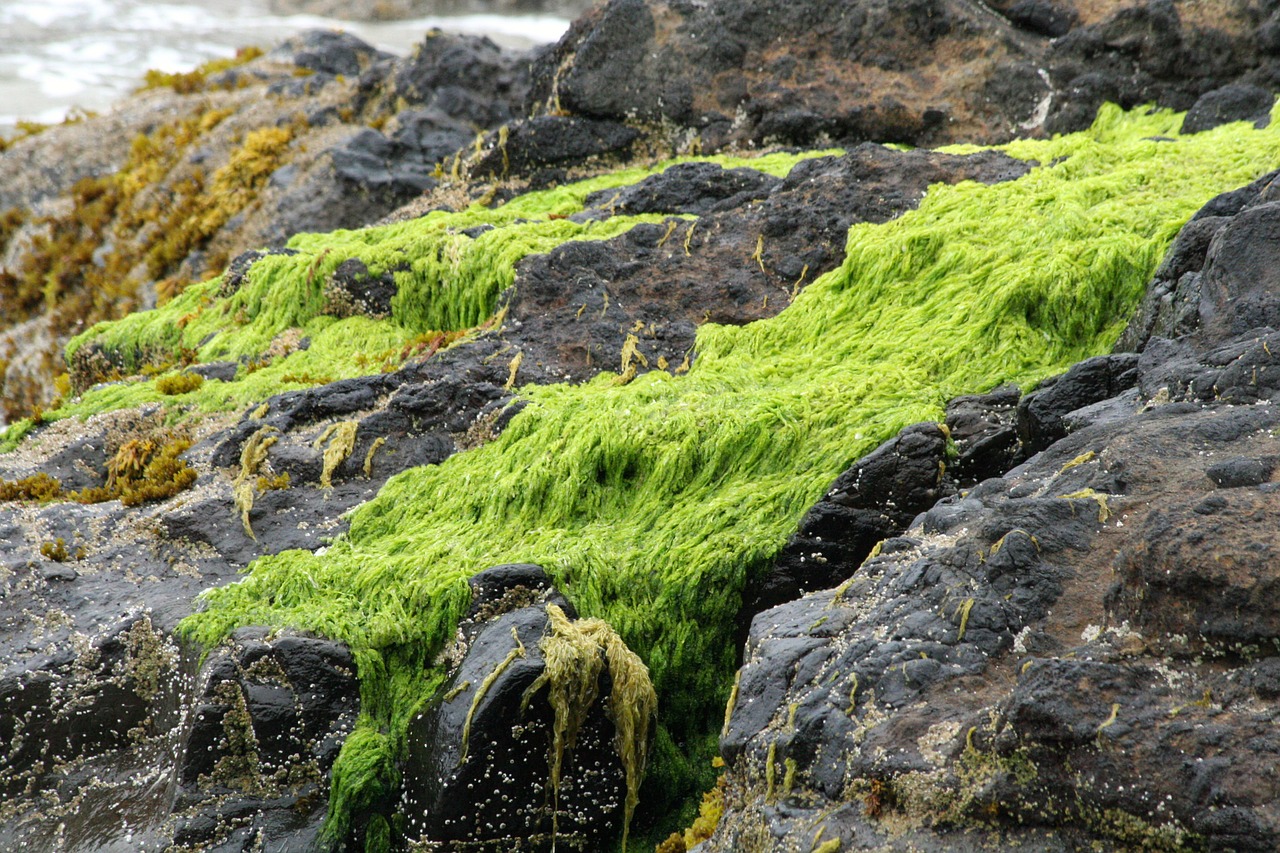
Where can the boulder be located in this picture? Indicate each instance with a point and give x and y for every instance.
(1025, 666)
(984, 430)
(1041, 412)
(1236, 102)
(268, 718)
(532, 741)
(876, 498)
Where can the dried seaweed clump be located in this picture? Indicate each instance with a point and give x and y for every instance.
(252, 455)
(179, 383)
(342, 440)
(575, 653)
(704, 825)
(144, 469)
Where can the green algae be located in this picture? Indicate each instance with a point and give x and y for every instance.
(653, 503)
(448, 281)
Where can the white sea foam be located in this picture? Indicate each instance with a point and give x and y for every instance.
(59, 55)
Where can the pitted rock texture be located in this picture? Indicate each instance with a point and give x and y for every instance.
(925, 73)
(1077, 653)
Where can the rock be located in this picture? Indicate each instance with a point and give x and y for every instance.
(1043, 17)
(876, 498)
(1240, 284)
(1041, 413)
(968, 673)
(984, 430)
(690, 188)
(743, 260)
(329, 52)
(1036, 66)
(714, 68)
(1171, 306)
(1163, 52)
(269, 717)
(353, 291)
(491, 713)
(1236, 102)
(1241, 471)
(550, 141)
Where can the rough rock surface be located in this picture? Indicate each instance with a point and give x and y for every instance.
(925, 73)
(1076, 653)
(480, 724)
(391, 10)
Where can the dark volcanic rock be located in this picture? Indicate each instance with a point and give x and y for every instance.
(692, 188)
(1241, 280)
(743, 260)
(1166, 52)
(924, 73)
(269, 717)
(1033, 657)
(1237, 102)
(1041, 413)
(550, 141)
(984, 429)
(353, 291)
(492, 715)
(876, 498)
(743, 72)
(1171, 306)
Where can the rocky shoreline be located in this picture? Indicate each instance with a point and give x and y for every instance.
(485, 451)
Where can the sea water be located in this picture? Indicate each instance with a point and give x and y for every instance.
(59, 56)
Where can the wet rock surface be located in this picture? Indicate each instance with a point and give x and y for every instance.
(481, 755)
(1064, 640)
(1073, 653)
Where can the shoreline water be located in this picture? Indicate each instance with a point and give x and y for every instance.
(64, 56)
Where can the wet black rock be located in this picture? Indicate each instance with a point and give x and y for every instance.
(876, 498)
(1171, 307)
(544, 142)
(1041, 413)
(478, 775)
(353, 291)
(1237, 102)
(984, 430)
(330, 52)
(269, 717)
(687, 188)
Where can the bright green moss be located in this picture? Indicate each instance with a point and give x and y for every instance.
(652, 503)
